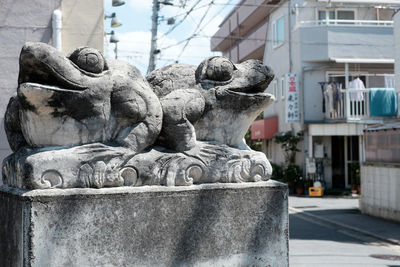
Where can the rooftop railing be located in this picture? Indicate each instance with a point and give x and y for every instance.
(346, 22)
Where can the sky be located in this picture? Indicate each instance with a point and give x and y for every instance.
(135, 32)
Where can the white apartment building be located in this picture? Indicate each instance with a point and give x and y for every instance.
(341, 57)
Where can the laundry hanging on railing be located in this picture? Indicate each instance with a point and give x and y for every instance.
(322, 84)
(357, 84)
(331, 95)
(383, 102)
(389, 81)
(337, 96)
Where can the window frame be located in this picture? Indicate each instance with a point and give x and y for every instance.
(275, 41)
(327, 10)
(275, 89)
(283, 87)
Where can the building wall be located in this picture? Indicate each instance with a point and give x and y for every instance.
(277, 58)
(31, 20)
(380, 184)
(83, 24)
(345, 42)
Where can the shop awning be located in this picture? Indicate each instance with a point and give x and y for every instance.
(264, 129)
(362, 60)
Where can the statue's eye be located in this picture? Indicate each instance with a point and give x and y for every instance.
(88, 59)
(219, 69)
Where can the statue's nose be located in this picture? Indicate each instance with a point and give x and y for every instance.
(268, 71)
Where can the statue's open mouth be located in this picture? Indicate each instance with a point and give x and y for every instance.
(257, 84)
(45, 67)
(44, 76)
(257, 90)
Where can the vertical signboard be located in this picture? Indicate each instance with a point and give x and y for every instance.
(292, 98)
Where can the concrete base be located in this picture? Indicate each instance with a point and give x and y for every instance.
(203, 225)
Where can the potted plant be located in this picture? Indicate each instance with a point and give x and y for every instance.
(292, 173)
(355, 178)
(299, 187)
(288, 142)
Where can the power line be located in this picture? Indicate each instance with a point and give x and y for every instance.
(197, 27)
(185, 13)
(182, 20)
(194, 34)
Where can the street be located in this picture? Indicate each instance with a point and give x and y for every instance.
(319, 236)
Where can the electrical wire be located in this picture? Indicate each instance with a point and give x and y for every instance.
(194, 34)
(197, 27)
(182, 20)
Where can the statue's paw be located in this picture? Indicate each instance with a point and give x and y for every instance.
(92, 175)
(99, 174)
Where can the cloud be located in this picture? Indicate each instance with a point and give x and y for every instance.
(133, 47)
(140, 4)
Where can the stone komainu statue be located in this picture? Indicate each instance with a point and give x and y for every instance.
(84, 121)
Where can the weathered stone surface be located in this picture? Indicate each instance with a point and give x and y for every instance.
(98, 165)
(84, 121)
(217, 101)
(80, 99)
(203, 225)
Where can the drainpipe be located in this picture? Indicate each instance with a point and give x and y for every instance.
(57, 26)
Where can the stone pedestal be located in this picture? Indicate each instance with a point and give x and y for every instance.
(203, 225)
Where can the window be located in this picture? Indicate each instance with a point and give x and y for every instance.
(278, 31)
(325, 15)
(331, 16)
(283, 87)
(345, 15)
(275, 89)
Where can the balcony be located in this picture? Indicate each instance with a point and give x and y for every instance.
(251, 47)
(323, 40)
(246, 16)
(356, 105)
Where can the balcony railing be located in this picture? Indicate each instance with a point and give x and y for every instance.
(345, 22)
(350, 105)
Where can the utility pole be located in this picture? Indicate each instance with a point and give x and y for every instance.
(154, 26)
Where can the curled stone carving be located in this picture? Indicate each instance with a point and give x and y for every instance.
(129, 176)
(85, 121)
(51, 179)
